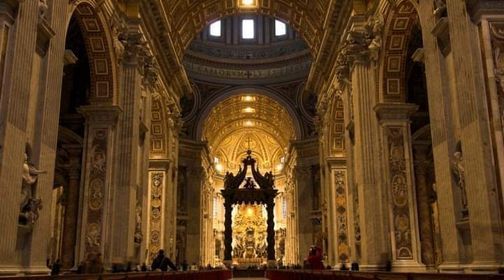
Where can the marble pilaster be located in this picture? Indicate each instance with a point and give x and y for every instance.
(14, 98)
(443, 139)
(71, 207)
(156, 207)
(99, 150)
(128, 142)
(398, 159)
(474, 133)
(373, 228)
(424, 194)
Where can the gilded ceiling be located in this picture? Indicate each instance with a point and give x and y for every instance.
(188, 17)
(248, 121)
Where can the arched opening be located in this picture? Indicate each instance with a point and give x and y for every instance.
(87, 79)
(247, 94)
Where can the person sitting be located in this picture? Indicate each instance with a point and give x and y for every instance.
(315, 258)
(161, 262)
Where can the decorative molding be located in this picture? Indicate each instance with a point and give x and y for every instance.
(340, 179)
(96, 188)
(157, 183)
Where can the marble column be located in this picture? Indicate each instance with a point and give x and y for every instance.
(304, 199)
(398, 166)
(424, 194)
(194, 222)
(442, 124)
(13, 114)
(99, 150)
(485, 221)
(373, 226)
(128, 142)
(71, 207)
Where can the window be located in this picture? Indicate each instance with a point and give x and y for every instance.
(248, 29)
(215, 29)
(280, 28)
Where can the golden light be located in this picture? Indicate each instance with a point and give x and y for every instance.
(279, 167)
(247, 3)
(219, 168)
(248, 98)
(248, 123)
(250, 211)
(248, 110)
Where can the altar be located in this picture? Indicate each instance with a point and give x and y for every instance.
(249, 234)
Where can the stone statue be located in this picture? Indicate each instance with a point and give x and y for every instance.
(459, 173)
(29, 205)
(138, 236)
(440, 8)
(43, 8)
(376, 29)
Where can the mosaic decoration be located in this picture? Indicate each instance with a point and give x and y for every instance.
(400, 194)
(341, 216)
(156, 203)
(96, 191)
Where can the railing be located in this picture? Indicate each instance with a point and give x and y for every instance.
(341, 275)
(190, 275)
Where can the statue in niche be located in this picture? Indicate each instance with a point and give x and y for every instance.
(238, 249)
(440, 8)
(459, 174)
(261, 251)
(138, 236)
(250, 248)
(29, 205)
(249, 183)
(43, 9)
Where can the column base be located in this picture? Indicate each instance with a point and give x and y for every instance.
(408, 266)
(10, 270)
(272, 263)
(451, 268)
(36, 270)
(483, 267)
(371, 267)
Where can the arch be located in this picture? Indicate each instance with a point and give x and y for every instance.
(98, 41)
(400, 20)
(306, 17)
(207, 107)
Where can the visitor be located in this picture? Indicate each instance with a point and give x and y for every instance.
(143, 267)
(184, 265)
(315, 258)
(56, 266)
(343, 267)
(355, 266)
(162, 262)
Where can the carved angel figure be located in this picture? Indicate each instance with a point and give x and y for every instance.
(43, 8)
(30, 176)
(440, 8)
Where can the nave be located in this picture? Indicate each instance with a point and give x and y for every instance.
(323, 135)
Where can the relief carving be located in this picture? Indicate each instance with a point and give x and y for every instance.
(341, 216)
(96, 191)
(459, 174)
(497, 35)
(155, 213)
(400, 194)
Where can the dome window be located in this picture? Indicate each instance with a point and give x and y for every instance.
(280, 28)
(248, 31)
(215, 29)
